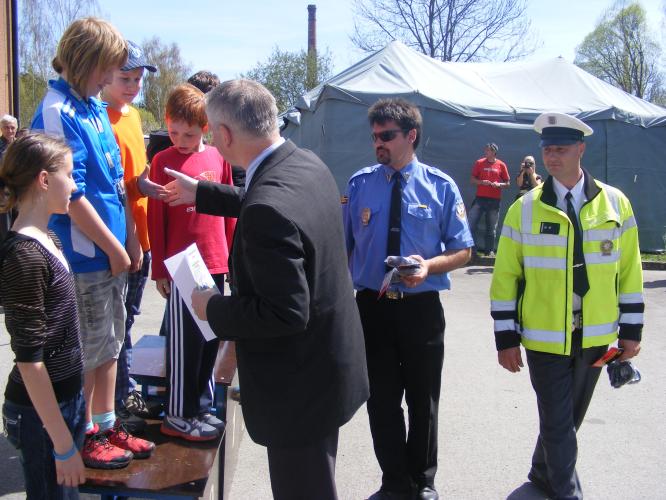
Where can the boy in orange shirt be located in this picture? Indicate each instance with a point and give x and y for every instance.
(126, 124)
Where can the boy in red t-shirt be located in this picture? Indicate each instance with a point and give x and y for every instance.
(490, 176)
(190, 358)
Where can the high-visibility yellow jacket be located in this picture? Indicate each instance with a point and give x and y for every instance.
(532, 285)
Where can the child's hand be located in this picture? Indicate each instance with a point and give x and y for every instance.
(164, 287)
(70, 472)
(119, 260)
(134, 251)
(149, 188)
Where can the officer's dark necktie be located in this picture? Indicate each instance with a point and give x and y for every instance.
(393, 245)
(580, 283)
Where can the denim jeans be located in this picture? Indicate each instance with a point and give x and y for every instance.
(489, 207)
(136, 282)
(24, 430)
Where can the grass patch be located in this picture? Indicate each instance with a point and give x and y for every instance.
(653, 257)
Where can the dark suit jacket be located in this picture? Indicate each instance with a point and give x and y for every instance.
(299, 341)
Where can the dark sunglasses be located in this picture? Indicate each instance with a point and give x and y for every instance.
(387, 135)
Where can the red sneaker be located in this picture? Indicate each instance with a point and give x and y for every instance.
(118, 436)
(98, 453)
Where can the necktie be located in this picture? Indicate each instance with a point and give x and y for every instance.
(393, 246)
(580, 283)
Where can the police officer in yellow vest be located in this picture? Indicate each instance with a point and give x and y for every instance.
(567, 283)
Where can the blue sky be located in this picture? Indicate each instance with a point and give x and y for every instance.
(229, 40)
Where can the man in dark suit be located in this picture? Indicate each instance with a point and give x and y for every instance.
(299, 341)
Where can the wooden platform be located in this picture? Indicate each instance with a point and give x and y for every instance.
(177, 468)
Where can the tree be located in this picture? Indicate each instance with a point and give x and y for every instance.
(285, 74)
(42, 23)
(622, 52)
(172, 71)
(448, 30)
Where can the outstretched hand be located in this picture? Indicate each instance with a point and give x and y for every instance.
(182, 190)
(149, 188)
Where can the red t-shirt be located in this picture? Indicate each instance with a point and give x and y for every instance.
(173, 229)
(493, 172)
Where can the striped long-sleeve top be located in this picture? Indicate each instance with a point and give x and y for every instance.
(41, 316)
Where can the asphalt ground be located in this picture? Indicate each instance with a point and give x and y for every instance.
(488, 418)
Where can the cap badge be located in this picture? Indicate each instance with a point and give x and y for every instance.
(552, 120)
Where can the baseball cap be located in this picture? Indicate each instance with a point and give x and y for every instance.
(136, 58)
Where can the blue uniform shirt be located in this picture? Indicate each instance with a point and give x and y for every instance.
(433, 220)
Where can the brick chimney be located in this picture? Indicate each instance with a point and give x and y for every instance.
(312, 29)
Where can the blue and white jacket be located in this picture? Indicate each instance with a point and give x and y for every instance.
(98, 170)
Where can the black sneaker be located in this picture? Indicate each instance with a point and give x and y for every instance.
(142, 408)
(132, 423)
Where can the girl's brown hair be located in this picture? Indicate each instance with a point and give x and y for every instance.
(85, 45)
(24, 159)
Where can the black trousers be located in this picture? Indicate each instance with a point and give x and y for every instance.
(564, 386)
(190, 359)
(404, 342)
(305, 472)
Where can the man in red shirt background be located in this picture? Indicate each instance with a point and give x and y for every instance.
(490, 176)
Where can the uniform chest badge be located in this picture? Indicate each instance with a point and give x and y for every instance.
(606, 247)
(365, 216)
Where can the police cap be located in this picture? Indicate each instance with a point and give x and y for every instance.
(559, 129)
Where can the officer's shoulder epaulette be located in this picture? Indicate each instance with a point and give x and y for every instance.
(438, 173)
(365, 171)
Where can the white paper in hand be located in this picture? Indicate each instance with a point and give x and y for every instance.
(188, 271)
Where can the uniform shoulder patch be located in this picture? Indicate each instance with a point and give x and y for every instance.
(460, 210)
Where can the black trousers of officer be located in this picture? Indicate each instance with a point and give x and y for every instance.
(404, 342)
(564, 386)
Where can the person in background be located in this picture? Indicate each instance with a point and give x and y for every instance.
(567, 282)
(490, 176)
(527, 178)
(8, 128)
(190, 357)
(402, 207)
(44, 410)
(126, 124)
(98, 235)
(8, 125)
(204, 81)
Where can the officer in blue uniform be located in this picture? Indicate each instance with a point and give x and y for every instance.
(403, 207)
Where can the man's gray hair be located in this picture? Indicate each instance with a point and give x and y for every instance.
(7, 119)
(243, 104)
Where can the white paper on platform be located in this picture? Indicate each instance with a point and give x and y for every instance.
(188, 271)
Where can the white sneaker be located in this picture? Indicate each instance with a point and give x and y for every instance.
(212, 420)
(191, 429)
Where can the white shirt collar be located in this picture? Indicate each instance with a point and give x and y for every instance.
(254, 164)
(577, 193)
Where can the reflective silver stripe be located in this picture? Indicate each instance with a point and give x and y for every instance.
(544, 335)
(631, 298)
(526, 212)
(545, 240)
(502, 325)
(502, 305)
(545, 262)
(631, 318)
(628, 224)
(597, 258)
(511, 233)
(598, 330)
(600, 234)
(613, 196)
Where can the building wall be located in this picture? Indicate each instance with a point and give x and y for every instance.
(6, 104)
